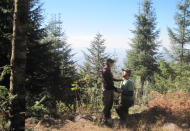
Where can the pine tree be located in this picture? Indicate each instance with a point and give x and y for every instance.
(50, 70)
(18, 64)
(61, 69)
(142, 57)
(37, 54)
(6, 13)
(95, 59)
(180, 36)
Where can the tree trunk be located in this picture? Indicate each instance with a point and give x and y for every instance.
(182, 52)
(18, 63)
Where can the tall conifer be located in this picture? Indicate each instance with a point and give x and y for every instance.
(142, 57)
(180, 36)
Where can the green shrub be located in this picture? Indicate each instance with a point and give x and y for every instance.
(39, 109)
(5, 100)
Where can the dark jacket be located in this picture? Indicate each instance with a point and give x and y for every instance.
(108, 79)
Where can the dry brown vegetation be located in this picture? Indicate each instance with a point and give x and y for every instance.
(165, 113)
(176, 105)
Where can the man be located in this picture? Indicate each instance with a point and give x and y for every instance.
(108, 89)
(127, 95)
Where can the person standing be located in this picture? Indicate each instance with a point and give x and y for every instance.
(127, 95)
(108, 89)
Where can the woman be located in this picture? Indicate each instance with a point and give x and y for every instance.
(127, 95)
(108, 90)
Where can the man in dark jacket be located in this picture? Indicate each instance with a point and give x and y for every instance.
(108, 90)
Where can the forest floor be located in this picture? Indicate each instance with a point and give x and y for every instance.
(152, 119)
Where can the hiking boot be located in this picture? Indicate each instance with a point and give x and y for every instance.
(107, 122)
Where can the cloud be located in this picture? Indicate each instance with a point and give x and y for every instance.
(187, 46)
(117, 41)
(82, 41)
(165, 42)
(116, 45)
(112, 41)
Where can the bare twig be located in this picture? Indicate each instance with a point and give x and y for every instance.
(5, 66)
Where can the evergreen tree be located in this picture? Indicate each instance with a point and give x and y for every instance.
(50, 69)
(34, 71)
(35, 33)
(165, 77)
(61, 67)
(6, 13)
(95, 59)
(142, 57)
(37, 54)
(180, 36)
(18, 64)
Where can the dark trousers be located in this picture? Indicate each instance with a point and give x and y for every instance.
(123, 109)
(107, 98)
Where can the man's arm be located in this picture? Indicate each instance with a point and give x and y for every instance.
(117, 79)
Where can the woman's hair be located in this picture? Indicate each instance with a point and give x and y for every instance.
(108, 61)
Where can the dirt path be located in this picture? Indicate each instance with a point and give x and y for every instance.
(81, 125)
(86, 125)
(153, 119)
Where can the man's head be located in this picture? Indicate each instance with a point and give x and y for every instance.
(126, 73)
(110, 62)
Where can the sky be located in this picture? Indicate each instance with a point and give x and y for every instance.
(114, 19)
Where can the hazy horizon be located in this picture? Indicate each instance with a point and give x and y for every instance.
(83, 19)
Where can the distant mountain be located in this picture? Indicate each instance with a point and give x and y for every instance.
(120, 54)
